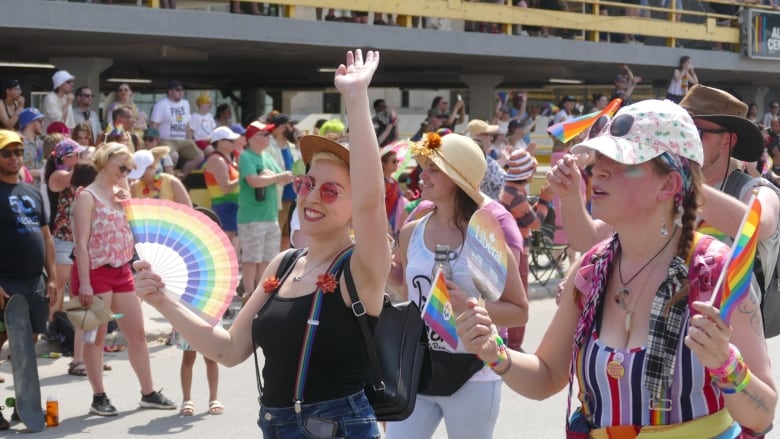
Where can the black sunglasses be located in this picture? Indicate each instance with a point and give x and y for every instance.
(150, 139)
(7, 153)
(712, 130)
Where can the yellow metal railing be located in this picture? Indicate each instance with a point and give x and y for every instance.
(582, 16)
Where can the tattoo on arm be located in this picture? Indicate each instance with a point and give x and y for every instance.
(751, 309)
(756, 400)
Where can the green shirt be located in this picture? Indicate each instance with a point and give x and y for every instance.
(249, 209)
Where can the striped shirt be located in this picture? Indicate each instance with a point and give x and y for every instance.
(624, 400)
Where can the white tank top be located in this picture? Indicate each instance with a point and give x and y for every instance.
(419, 265)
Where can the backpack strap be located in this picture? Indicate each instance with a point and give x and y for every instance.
(735, 182)
(368, 339)
(284, 270)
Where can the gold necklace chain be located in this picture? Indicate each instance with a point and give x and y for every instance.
(309, 271)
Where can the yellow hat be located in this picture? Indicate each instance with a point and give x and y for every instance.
(203, 100)
(8, 137)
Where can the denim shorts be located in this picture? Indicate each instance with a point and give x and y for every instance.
(347, 417)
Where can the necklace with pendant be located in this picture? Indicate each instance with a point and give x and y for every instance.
(623, 292)
(307, 272)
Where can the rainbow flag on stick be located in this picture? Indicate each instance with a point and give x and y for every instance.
(438, 313)
(565, 131)
(735, 278)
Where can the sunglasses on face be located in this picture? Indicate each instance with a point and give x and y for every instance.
(123, 169)
(711, 130)
(329, 191)
(7, 153)
(85, 96)
(150, 139)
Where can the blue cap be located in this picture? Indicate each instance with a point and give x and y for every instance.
(28, 115)
(238, 129)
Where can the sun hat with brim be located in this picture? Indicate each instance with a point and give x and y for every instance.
(722, 108)
(643, 131)
(459, 157)
(311, 145)
(85, 318)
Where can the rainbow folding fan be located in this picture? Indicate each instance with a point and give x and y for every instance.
(189, 251)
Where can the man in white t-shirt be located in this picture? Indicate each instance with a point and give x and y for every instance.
(57, 104)
(170, 116)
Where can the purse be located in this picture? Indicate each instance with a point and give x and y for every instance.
(398, 355)
(450, 372)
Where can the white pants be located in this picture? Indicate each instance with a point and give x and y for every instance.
(469, 413)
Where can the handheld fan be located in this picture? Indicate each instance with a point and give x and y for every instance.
(189, 251)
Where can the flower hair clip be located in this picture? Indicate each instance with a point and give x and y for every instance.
(431, 143)
(326, 282)
(271, 284)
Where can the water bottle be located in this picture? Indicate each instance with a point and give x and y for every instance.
(442, 260)
(89, 336)
(52, 412)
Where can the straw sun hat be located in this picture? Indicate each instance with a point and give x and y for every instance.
(459, 157)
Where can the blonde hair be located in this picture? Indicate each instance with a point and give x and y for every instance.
(105, 151)
(327, 156)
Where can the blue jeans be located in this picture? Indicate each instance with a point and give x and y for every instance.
(347, 417)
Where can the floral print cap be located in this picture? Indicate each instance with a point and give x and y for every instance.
(643, 131)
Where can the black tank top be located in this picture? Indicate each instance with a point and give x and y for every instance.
(338, 365)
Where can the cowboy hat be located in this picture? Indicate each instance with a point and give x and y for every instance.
(720, 107)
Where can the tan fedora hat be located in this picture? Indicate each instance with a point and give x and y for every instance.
(87, 318)
(459, 157)
(722, 108)
(311, 145)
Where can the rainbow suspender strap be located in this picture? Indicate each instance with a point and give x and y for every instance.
(311, 328)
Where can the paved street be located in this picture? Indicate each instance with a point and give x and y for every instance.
(519, 417)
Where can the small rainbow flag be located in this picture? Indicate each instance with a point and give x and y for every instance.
(438, 313)
(565, 131)
(739, 269)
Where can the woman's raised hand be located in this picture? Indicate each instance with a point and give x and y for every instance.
(356, 74)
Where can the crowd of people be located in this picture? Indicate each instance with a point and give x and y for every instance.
(636, 189)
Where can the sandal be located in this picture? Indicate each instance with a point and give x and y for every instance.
(77, 369)
(216, 407)
(187, 408)
(107, 367)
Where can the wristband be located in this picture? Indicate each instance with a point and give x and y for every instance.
(728, 367)
(738, 387)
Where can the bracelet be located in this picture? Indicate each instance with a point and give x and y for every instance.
(739, 387)
(503, 357)
(728, 367)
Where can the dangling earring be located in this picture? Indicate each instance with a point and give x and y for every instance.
(664, 230)
(678, 216)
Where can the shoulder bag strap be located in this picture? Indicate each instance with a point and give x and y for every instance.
(284, 270)
(311, 328)
(360, 312)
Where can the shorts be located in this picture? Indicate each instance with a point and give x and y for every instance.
(105, 279)
(34, 289)
(284, 217)
(227, 213)
(259, 240)
(186, 149)
(63, 250)
(348, 417)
